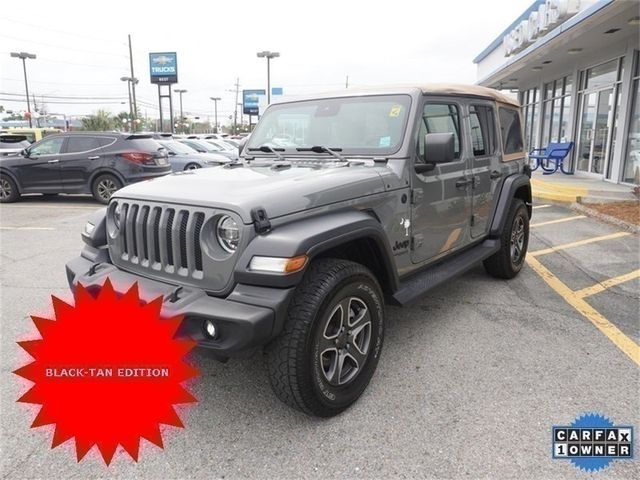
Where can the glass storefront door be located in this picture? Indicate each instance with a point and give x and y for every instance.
(595, 128)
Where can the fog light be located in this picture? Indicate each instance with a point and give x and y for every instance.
(210, 328)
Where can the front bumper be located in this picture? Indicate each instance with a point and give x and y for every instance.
(246, 319)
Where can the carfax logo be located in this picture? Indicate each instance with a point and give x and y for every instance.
(592, 442)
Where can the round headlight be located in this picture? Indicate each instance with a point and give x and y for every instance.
(117, 213)
(228, 234)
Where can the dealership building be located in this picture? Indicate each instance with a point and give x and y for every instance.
(576, 68)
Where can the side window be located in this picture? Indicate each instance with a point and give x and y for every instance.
(50, 146)
(82, 144)
(439, 118)
(483, 130)
(511, 131)
(105, 141)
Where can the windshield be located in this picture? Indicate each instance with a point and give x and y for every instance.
(177, 147)
(371, 125)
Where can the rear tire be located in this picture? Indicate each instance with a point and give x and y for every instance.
(104, 186)
(331, 340)
(192, 166)
(514, 240)
(8, 189)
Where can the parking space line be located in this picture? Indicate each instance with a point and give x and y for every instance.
(56, 207)
(27, 228)
(611, 282)
(579, 243)
(613, 333)
(560, 220)
(535, 207)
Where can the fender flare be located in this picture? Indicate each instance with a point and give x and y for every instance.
(509, 188)
(311, 237)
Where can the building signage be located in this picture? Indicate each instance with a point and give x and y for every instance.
(163, 67)
(548, 15)
(251, 100)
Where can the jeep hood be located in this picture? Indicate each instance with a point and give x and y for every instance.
(280, 191)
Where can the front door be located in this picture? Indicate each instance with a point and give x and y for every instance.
(595, 130)
(441, 206)
(40, 171)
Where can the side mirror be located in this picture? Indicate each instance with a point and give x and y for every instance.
(241, 145)
(25, 152)
(439, 147)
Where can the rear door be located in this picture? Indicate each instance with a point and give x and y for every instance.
(441, 206)
(486, 167)
(83, 154)
(40, 171)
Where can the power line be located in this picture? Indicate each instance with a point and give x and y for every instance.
(21, 80)
(67, 97)
(42, 27)
(102, 102)
(63, 47)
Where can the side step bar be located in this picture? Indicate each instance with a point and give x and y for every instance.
(417, 285)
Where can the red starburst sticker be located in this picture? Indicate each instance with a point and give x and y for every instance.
(107, 372)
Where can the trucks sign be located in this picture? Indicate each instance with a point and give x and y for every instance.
(251, 101)
(163, 67)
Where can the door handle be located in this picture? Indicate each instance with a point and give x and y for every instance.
(95, 157)
(463, 182)
(53, 161)
(495, 174)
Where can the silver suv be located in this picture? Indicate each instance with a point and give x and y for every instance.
(339, 205)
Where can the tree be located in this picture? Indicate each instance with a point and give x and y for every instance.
(100, 121)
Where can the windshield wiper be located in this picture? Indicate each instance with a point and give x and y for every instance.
(320, 149)
(268, 149)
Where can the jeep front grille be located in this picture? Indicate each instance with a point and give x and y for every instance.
(161, 238)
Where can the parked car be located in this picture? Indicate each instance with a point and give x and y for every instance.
(385, 195)
(183, 157)
(12, 144)
(207, 146)
(89, 162)
(33, 134)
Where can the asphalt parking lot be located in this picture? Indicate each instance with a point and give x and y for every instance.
(470, 382)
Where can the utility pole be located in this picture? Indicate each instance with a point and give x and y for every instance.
(235, 115)
(215, 102)
(23, 56)
(346, 85)
(180, 92)
(133, 89)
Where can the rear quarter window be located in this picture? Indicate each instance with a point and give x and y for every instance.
(143, 144)
(511, 130)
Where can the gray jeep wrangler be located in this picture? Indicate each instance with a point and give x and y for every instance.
(339, 205)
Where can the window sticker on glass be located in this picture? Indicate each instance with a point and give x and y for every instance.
(395, 111)
(385, 142)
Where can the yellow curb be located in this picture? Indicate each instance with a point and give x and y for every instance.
(537, 184)
(554, 196)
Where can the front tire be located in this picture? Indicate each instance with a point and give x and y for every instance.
(514, 240)
(192, 166)
(8, 190)
(104, 186)
(331, 340)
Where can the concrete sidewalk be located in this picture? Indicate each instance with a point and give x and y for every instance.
(578, 188)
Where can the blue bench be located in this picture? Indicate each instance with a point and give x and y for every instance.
(556, 153)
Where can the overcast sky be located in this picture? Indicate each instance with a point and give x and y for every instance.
(82, 50)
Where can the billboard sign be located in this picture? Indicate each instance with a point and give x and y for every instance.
(163, 67)
(251, 100)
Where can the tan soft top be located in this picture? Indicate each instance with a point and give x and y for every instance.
(473, 90)
(429, 88)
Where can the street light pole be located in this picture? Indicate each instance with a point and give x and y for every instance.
(268, 55)
(215, 103)
(181, 91)
(23, 56)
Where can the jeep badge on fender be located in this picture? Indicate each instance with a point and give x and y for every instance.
(339, 204)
